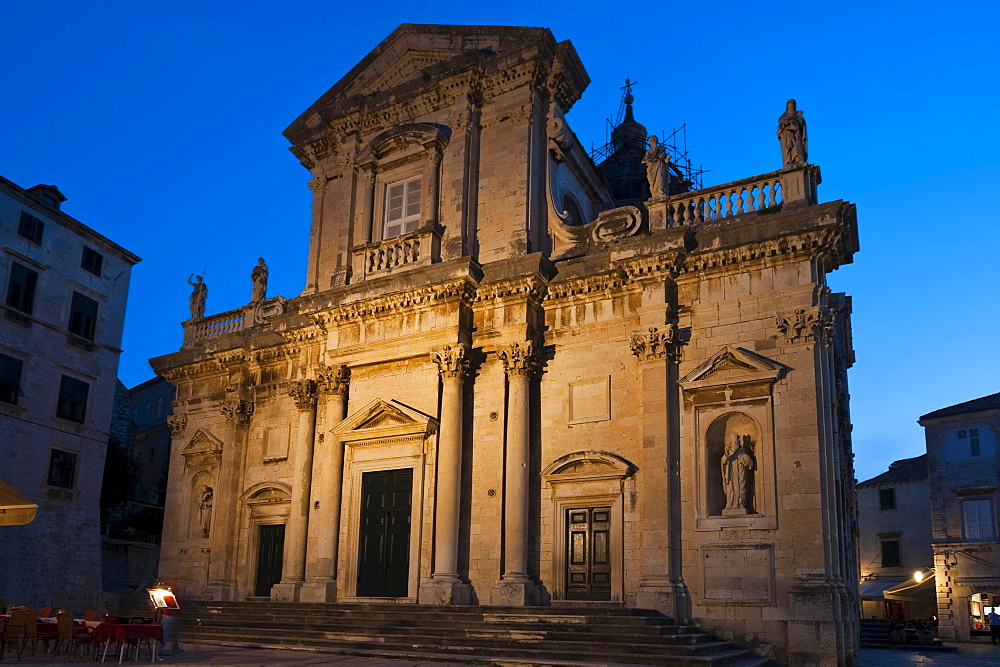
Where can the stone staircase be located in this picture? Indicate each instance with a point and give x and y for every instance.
(875, 634)
(577, 634)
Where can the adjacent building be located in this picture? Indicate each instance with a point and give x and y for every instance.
(515, 378)
(64, 293)
(964, 477)
(894, 544)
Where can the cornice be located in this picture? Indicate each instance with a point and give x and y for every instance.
(419, 297)
(532, 287)
(605, 282)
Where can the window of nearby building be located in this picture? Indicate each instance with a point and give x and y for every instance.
(887, 499)
(891, 555)
(21, 288)
(83, 316)
(10, 378)
(72, 399)
(402, 208)
(31, 227)
(977, 519)
(62, 469)
(972, 435)
(92, 261)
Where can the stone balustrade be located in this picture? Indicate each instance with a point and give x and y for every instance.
(214, 325)
(419, 248)
(725, 201)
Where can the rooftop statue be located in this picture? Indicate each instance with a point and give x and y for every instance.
(198, 296)
(657, 162)
(792, 135)
(259, 278)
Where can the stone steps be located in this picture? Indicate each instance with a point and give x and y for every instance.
(570, 634)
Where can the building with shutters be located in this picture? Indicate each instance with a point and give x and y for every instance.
(64, 289)
(515, 377)
(964, 479)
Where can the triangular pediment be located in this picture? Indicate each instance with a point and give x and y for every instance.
(413, 53)
(732, 365)
(380, 418)
(202, 441)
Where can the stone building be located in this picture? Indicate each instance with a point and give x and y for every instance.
(502, 386)
(65, 288)
(964, 478)
(894, 544)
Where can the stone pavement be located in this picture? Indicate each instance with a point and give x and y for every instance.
(985, 655)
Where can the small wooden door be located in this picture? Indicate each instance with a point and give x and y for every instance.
(588, 553)
(384, 539)
(270, 547)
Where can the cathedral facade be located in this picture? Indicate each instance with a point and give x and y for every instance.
(514, 378)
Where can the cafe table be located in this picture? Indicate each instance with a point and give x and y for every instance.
(128, 633)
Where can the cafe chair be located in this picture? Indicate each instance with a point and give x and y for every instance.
(90, 615)
(71, 636)
(21, 629)
(3, 637)
(45, 612)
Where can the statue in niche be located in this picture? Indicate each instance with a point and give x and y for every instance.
(198, 296)
(657, 162)
(259, 278)
(205, 510)
(737, 465)
(792, 135)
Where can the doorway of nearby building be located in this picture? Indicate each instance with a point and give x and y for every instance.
(270, 546)
(588, 561)
(895, 611)
(384, 536)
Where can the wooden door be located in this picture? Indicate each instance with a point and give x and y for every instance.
(270, 548)
(588, 553)
(384, 539)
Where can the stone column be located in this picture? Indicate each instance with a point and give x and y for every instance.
(432, 177)
(515, 586)
(661, 586)
(445, 586)
(236, 410)
(328, 480)
(296, 533)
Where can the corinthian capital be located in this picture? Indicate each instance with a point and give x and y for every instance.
(656, 343)
(237, 411)
(176, 423)
(333, 381)
(318, 186)
(519, 358)
(304, 394)
(452, 360)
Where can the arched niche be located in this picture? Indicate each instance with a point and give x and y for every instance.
(719, 442)
(202, 502)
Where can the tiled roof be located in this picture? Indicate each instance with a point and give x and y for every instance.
(904, 470)
(991, 402)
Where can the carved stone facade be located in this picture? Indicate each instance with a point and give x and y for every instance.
(521, 365)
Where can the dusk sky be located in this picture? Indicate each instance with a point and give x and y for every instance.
(162, 123)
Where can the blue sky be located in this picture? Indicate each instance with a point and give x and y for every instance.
(162, 124)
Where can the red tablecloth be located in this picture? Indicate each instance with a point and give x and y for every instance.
(127, 632)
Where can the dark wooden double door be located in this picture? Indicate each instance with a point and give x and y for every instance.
(588, 553)
(270, 551)
(384, 539)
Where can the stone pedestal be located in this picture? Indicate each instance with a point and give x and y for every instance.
(286, 592)
(318, 591)
(445, 590)
(657, 209)
(515, 593)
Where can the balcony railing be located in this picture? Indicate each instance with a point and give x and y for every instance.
(758, 193)
(214, 325)
(419, 248)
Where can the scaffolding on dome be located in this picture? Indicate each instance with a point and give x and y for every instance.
(675, 143)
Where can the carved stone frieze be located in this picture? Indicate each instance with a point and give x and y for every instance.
(586, 285)
(452, 360)
(413, 298)
(618, 223)
(303, 392)
(532, 287)
(519, 358)
(657, 343)
(176, 422)
(805, 324)
(333, 381)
